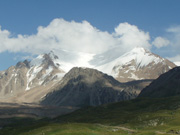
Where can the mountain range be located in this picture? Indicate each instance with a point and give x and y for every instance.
(32, 81)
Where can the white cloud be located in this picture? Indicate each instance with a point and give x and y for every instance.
(174, 37)
(174, 29)
(175, 59)
(74, 36)
(160, 42)
(130, 36)
(177, 63)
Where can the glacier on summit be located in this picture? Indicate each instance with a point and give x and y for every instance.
(133, 65)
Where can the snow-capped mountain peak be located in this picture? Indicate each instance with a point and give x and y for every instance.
(52, 55)
(141, 56)
(137, 64)
(37, 61)
(139, 49)
(140, 64)
(49, 59)
(42, 68)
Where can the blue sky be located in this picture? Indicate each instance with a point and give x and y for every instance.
(158, 18)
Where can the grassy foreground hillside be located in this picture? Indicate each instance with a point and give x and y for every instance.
(137, 117)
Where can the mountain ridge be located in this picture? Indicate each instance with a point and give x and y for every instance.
(41, 74)
(166, 85)
(88, 87)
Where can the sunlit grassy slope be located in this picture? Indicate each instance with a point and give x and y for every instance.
(137, 117)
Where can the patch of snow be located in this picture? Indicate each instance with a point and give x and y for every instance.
(31, 74)
(67, 60)
(43, 96)
(133, 76)
(49, 70)
(60, 75)
(132, 68)
(65, 66)
(126, 71)
(37, 61)
(15, 80)
(177, 63)
(15, 74)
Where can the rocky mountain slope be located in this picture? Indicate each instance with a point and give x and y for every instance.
(88, 87)
(13, 80)
(138, 64)
(40, 72)
(168, 84)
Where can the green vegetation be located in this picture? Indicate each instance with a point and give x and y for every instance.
(136, 117)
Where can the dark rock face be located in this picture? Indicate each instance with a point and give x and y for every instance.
(48, 61)
(168, 84)
(25, 63)
(88, 87)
